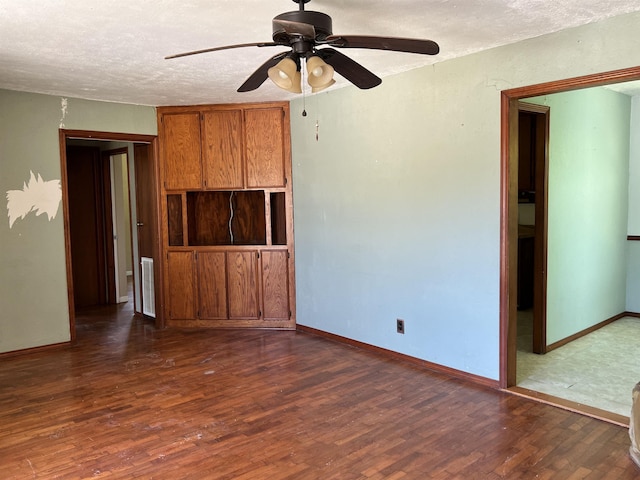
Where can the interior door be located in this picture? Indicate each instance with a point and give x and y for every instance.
(533, 139)
(109, 233)
(145, 207)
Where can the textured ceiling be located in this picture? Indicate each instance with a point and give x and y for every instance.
(114, 49)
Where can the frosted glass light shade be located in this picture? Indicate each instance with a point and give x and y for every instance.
(320, 74)
(285, 74)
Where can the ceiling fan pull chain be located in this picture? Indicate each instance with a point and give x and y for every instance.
(304, 97)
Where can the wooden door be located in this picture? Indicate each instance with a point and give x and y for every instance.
(264, 147)
(212, 286)
(242, 281)
(275, 284)
(86, 220)
(533, 125)
(181, 291)
(146, 213)
(181, 151)
(108, 229)
(145, 200)
(222, 149)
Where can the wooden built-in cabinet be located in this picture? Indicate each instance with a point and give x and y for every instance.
(224, 148)
(227, 216)
(182, 167)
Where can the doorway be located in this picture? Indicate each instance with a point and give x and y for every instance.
(103, 162)
(511, 103)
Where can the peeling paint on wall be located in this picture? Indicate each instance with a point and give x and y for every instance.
(37, 196)
(63, 109)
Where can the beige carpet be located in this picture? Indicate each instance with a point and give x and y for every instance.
(598, 370)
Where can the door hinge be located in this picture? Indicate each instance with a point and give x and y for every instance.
(257, 254)
(288, 254)
(259, 313)
(290, 314)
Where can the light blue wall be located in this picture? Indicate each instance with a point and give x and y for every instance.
(397, 208)
(33, 289)
(588, 198)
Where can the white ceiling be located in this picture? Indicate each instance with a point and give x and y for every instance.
(114, 49)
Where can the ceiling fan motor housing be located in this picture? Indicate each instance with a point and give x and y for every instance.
(320, 21)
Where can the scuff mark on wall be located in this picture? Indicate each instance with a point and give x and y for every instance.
(63, 108)
(36, 196)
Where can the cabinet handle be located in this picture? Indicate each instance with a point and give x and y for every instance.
(140, 224)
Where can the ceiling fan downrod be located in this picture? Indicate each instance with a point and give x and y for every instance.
(301, 4)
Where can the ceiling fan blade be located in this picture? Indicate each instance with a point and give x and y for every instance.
(397, 44)
(258, 77)
(349, 69)
(226, 47)
(306, 30)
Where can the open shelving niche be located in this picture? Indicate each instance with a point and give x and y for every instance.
(224, 218)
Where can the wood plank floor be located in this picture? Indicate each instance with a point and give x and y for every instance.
(128, 401)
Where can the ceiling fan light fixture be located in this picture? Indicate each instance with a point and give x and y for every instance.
(302, 31)
(286, 75)
(320, 74)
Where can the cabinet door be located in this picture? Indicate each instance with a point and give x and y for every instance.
(242, 281)
(275, 284)
(264, 147)
(222, 149)
(181, 151)
(212, 285)
(181, 291)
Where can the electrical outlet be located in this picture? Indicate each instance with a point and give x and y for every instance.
(400, 326)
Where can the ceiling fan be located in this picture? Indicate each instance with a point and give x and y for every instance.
(304, 32)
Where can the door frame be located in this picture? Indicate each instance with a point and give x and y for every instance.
(152, 140)
(509, 101)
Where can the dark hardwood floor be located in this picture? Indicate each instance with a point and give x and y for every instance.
(128, 401)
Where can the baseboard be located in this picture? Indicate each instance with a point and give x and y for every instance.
(589, 330)
(434, 367)
(27, 351)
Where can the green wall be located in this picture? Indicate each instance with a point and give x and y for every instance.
(397, 204)
(587, 208)
(33, 289)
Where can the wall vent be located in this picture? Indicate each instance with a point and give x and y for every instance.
(148, 290)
